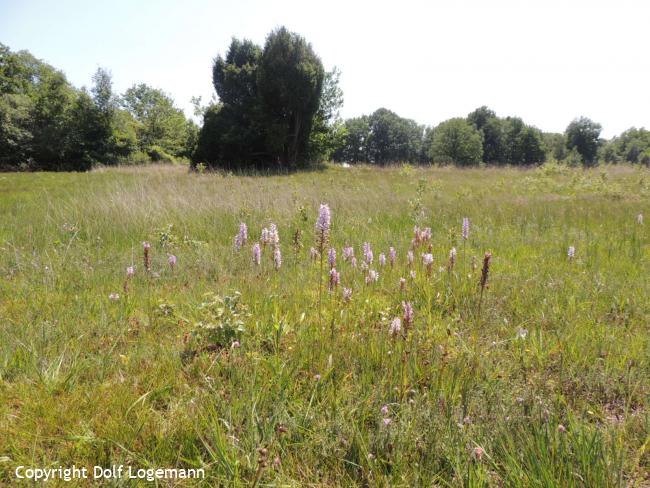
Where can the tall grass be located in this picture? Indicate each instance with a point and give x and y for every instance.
(550, 380)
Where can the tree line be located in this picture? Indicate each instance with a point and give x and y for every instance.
(276, 107)
(48, 124)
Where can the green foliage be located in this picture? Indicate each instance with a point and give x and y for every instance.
(159, 154)
(159, 124)
(328, 131)
(46, 123)
(583, 134)
(354, 147)
(220, 322)
(381, 138)
(269, 101)
(509, 140)
(632, 146)
(555, 145)
(456, 141)
(290, 83)
(15, 134)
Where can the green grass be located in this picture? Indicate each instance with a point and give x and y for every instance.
(89, 381)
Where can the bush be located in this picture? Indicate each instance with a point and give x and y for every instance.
(158, 154)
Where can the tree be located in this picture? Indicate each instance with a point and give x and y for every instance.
(494, 141)
(456, 141)
(509, 140)
(233, 132)
(381, 138)
(480, 117)
(555, 145)
(522, 144)
(354, 146)
(583, 135)
(290, 81)
(103, 118)
(393, 138)
(632, 146)
(161, 127)
(328, 131)
(268, 104)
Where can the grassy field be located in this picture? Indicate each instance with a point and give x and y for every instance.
(264, 376)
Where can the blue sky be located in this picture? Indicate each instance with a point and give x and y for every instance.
(546, 61)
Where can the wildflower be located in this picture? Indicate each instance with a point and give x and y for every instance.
(412, 274)
(257, 253)
(331, 257)
(387, 421)
(367, 253)
(372, 276)
(392, 255)
(323, 226)
(147, 260)
(384, 410)
(477, 453)
(452, 259)
(235, 345)
(382, 260)
(297, 241)
(316, 377)
(571, 253)
(465, 233)
(420, 236)
(324, 218)
(364, 266)
(409, 257)
(277, 257)
(561, 428)
(639, 219)
(241, 237)
(348, 253)
(130, 271)
(347, 294)
(408, 314)
(416, 237)
(335, 278)
(402, 284)
(314, 254)
(427, 260)
(264, 239)
(395, 327)
(274, 235)
(353, 262)
(486, 269)
(172, 260)
(114, 297)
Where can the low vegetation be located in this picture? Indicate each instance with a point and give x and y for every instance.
(305, 348)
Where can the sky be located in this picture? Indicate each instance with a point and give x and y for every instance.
(546, 61)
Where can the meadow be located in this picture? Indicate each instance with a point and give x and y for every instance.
(534, 372)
